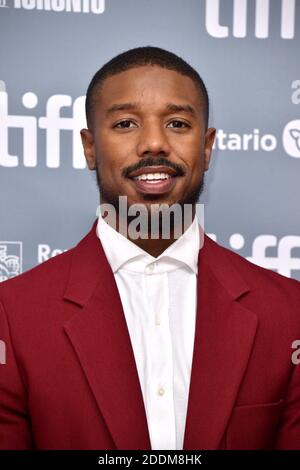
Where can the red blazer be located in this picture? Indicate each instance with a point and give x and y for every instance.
(70, 379)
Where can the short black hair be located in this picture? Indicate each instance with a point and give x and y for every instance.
(137, 57)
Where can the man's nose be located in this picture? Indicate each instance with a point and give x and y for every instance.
(153, 139)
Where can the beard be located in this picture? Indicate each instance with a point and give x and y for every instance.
(190, 200)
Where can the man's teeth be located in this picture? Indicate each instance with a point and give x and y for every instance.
(152, 177)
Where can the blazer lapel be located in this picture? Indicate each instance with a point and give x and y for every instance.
(224, 337)
(100, 338)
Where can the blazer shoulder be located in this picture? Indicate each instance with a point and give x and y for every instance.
(49, 279)
(54, 271)
(49, 273)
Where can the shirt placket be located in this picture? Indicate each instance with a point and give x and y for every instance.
(160, 374)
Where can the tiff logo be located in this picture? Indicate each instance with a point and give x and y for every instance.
(284, 260)
(240, 13)
(2, 352)
(52, 124)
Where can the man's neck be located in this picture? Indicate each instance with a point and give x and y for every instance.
(152, 246)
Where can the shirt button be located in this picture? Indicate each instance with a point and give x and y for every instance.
(150, 268)
(161, 391)
(157, 319)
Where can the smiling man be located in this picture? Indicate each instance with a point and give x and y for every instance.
(139, 338)
(148, 137)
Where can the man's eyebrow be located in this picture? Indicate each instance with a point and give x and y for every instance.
(181, 108)
(121, 107)
(130, 106)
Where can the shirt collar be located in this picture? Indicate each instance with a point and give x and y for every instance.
(119, 250)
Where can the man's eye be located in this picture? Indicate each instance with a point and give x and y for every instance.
(124, 124)
(181, 124)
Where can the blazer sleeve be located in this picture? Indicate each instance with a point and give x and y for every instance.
(288, 437)
(15, 431)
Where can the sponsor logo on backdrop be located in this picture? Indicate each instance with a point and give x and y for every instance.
(291, 138)
(258, 142)
(32, 127)
(253, 141)
(10, 260)
(217, 27)
(283, 260)
(45, 252)
(69, 6)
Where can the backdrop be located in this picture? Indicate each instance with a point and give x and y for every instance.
(248, 55)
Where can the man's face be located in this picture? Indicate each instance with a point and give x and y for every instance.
(148, 120)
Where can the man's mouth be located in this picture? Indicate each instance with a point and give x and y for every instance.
(154, 180)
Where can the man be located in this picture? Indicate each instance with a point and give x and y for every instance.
(149, 342)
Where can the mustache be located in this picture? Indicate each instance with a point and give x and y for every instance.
(154, 161)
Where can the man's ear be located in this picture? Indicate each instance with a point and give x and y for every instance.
(209, 141)
(87, 140)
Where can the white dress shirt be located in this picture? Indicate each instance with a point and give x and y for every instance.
(159, 299)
